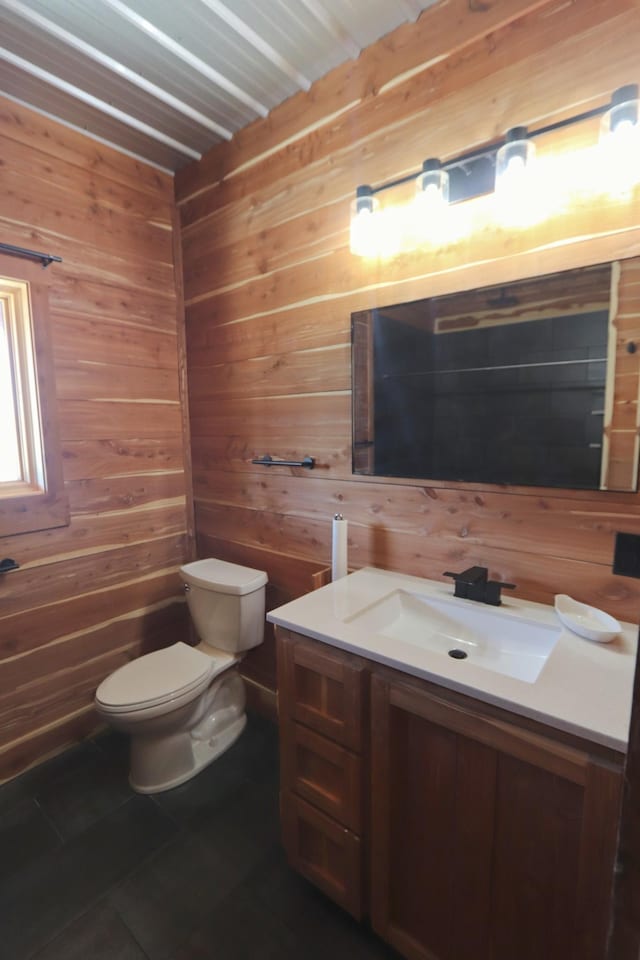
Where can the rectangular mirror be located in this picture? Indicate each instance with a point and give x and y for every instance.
(533, 383)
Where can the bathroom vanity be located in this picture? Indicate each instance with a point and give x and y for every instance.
(468, 805)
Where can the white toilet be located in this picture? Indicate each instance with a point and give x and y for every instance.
(183, 706)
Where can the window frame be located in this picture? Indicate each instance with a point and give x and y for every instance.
(41, 503)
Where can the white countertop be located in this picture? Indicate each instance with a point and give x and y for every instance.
(584, 688)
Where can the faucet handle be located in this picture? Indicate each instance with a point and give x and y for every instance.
(492, 591)
(470, 575)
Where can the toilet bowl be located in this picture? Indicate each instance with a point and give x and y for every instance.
(183, 706)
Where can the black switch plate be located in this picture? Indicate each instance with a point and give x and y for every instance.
(626, 555)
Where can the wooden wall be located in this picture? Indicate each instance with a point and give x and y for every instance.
(92, 595)
(270, 286)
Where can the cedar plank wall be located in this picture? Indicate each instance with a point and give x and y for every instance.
(94, 594)
(270, 286)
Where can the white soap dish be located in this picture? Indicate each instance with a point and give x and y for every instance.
(586, 621)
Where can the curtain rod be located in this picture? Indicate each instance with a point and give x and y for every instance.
(44, 258)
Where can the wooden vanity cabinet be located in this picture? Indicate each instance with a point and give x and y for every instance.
(489, 839)
(464, 831)
(322, 703)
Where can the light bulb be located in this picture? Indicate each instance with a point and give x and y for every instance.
(620, 142)
(364, 233)
(431, 194)
(514, 189)
(430, 207)
(391, 231)
(515, 168)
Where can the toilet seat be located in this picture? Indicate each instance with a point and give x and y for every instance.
(176, 673)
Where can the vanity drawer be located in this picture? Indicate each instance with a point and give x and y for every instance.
(325, 774)
(322, 689)
(328, 855)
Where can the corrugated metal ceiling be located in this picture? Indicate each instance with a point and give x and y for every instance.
(167, 79)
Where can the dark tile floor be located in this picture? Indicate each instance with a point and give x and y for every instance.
(91, 871)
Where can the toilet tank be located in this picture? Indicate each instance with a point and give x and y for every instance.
(226, 603)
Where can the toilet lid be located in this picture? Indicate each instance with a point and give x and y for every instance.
(223, 577)
(156, 677)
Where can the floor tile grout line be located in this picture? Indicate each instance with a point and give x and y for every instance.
(131, 932)
(104, 897)
(151, 855)
(174, 820)
(45, 943)
(28, 783)
(87, 826)
(123, 920)
(48, 819)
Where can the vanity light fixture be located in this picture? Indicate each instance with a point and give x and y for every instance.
(513, 160)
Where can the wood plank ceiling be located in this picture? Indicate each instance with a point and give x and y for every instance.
(165, 81)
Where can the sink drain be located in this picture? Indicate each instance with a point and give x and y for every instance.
(458, 654)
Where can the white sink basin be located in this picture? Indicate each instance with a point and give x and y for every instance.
(468, 632)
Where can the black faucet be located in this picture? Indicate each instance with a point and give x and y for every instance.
(472, 584)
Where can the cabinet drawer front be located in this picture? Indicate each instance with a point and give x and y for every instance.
(328, 855)
(322, 689)
(325, 774)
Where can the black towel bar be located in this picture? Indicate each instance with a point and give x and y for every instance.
(268, 461)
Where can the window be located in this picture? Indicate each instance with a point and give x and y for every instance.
(21, 452)
(31, 487)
